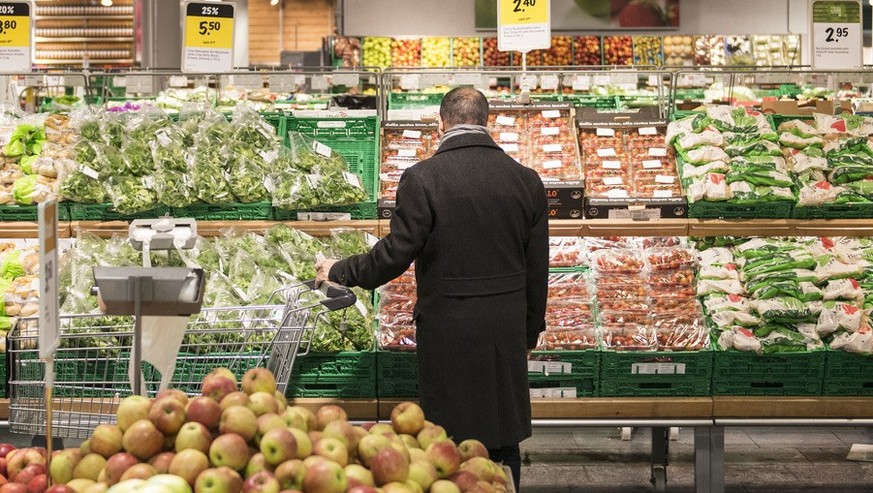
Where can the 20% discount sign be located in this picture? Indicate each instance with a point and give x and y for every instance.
(15, 36)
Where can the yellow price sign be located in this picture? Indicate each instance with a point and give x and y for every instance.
(209, 26)
(514, 12)
(14, 25)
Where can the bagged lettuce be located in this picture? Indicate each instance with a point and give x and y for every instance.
(131, 194)
(209, 177)
(174, 188)
(247, 170)
(83, 187)
(33, 189)
(293, 190)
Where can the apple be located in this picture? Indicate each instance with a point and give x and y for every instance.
(328, 413)
(382, 429)
(235, 398)
(218, 480)
(314, 436)
(193, 435)
(304, 444)
(281, 400)
(257, 463)
(224, 372)
(398, 487)
(89, 467)
(21, 458)
(470, 448)
(398, 445)
(263, 403)
(333, 449)
(162, 461)
(267, 422)
(117, 465)
(229, 450)
(259, 380)
(28, 473)
(417, 454)
(407, 418)
(37, 484)
(370, 445)
(132, 409)
(168, 415)
(324, 476)
(79, 485)
(143, 439)
(445, 457)
(261, 482)
(168, 482)
(188, 464)
(465, 480)
(424, 473)
(97, 488)
(13, 488)
(5, 448)
(106, 440)
(444, 486)
(240, 420)
(85, 447)
(357, 474)
(410, 441)
(301, 418)
(413, 486)
(204, 410)
(389, 465)
(279, 445)
(139, 471)
(62, 465)
(3, 469)
(290, 474)
(342, 431)
(362, 488)
(431, 434)
(217, 386)
(483, 468)
(60, 488)
(177, 394)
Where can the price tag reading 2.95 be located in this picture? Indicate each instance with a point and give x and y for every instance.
(209, 33)
(15, 36)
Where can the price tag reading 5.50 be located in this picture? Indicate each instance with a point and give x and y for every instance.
(209, 26)
(14, 25)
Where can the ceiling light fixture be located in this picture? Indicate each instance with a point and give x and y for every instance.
(276, 2)
(106, 3)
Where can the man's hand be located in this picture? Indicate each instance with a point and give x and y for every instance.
(322, 270)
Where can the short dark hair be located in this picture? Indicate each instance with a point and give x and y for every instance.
(464, 106)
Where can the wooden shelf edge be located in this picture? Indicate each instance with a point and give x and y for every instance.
(814, 407)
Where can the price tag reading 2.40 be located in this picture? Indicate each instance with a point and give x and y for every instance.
(15, 36)
(523, 25)
(209, 34)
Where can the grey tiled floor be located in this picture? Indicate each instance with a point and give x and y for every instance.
(757, 460)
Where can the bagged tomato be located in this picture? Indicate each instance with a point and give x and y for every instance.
(568, 340)
(617, 261)
(671, 258)
(565, 251)
(629, 337)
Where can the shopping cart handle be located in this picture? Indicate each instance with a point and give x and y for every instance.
(338, 296)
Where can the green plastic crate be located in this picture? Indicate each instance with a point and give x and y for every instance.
(729, 210)
(848, 374)
(348, 364)
(585, 387)
(655, 373)
(4, 376)
(16, 213)
(749, 374)
(406, 389)
(105, 212)
(326, 387)
(365, 210)
(226, 212)
(584, 364)
(397, 365)
(276, 120)
(357, 139)
(834, 211)
(413, 100)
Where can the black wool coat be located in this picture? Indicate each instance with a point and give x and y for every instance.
(476, 224)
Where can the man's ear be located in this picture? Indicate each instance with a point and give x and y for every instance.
(441, 128)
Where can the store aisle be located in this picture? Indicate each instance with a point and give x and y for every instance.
(757, 460)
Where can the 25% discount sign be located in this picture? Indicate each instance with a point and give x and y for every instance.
(208, 40)
(15, 36)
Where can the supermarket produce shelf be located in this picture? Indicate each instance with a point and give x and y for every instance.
(213, 228)
(802, 408)
(25, 229)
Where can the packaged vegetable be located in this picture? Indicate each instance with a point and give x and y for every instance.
(33, 189)
(709, 187)
(785, 309)
(567, 340)
(847, 289)
(130, 194)
(727, 286)
(838, 315)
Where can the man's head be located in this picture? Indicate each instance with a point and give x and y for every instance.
(463, 106)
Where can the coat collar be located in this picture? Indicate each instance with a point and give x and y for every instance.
(468, 140)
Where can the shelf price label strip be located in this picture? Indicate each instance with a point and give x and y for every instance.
(16, 36)
(208, 37)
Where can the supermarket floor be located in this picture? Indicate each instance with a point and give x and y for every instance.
(759, 460)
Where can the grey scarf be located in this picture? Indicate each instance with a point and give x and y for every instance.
(463, 130)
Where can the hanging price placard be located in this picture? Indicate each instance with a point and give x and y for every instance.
(16, 36)
(523, 25)
(208, 37)
(835, 34)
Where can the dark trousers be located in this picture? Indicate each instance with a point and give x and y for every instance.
(510, 456)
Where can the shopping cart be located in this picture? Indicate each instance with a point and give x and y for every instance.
(92, 361)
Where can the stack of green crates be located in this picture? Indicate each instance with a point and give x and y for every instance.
(397, 374)
(848, 374)
(655, 373)
(568, 373)
(347, 375)
(750, 374)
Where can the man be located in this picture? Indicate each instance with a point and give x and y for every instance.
(475, 223)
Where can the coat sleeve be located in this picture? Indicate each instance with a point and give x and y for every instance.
(537, 254)
(411, 225)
